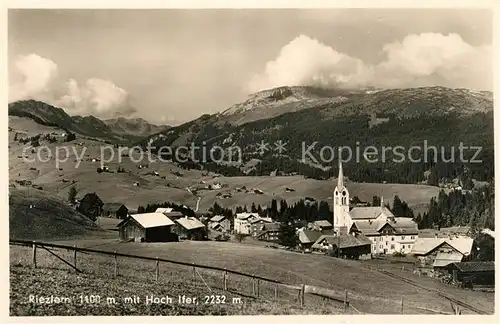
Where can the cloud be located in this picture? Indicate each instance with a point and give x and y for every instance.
(426, 59)
(96, 97)
(35, 77)
(31, 77)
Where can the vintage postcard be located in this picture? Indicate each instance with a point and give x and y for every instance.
(250, 161)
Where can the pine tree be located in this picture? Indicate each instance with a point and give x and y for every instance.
(72, 194)
(253, 208)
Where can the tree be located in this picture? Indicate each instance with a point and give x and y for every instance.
(253, 208)
(324, 212)
(397, 207)
(432, 180)
(376, 201)
(72, 194)
(483, 248)
(91, 206)
(70, 137)
(287, 234)
(274, 209)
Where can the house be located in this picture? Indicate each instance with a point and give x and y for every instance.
(242, 223)
(115, 210)
(147, 227)
(473, 273)
(350, 246)
(257, 224)
(189, 228)
(170, 213)
(389, 235)
(321, 225)
(437, 253)
(269, 232)
(489, 232)
(220, 223)
(163, 210)
(307, 238)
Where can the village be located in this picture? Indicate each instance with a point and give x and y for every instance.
(358, 233)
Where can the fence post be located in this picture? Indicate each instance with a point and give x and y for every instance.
(116, 265)
(194, 275)
(402, 305)
(157, 268)
(302, 295)
(74, 256)
(276, 291)
(34, 255)
(253, 286)
(258, 288)
(225, 279)
(345, 301)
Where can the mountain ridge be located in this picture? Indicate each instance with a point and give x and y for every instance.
(89, 126)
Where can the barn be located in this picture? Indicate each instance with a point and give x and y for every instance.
(147, 227)
(114, 210)
(189, 228)
(471, 274)
(347, 246)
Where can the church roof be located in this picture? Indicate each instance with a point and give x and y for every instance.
(369, 212)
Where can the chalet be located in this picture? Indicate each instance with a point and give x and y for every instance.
(220, 223)
(269, 232)
(163, 210)
(170, 213)
(147, 227)
(350, 246)
(390, 235)
(189, 228)
(489, 232)
(321, 225)
(437, 253)
(257, 225)
(307, 238)
(114, 210)
(242, 223)
(470, 274)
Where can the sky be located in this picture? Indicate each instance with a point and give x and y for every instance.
(170, 66)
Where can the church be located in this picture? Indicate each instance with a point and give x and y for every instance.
(388, 234)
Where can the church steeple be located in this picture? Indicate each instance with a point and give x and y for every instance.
(340, 180)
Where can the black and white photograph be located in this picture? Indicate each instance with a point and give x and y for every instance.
(250, 161)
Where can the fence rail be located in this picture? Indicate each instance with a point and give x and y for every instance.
(301, 290)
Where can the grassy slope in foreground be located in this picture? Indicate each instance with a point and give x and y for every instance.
(369, 291)
(48, 218)
(137, 278)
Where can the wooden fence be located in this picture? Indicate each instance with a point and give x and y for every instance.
(301, 290)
